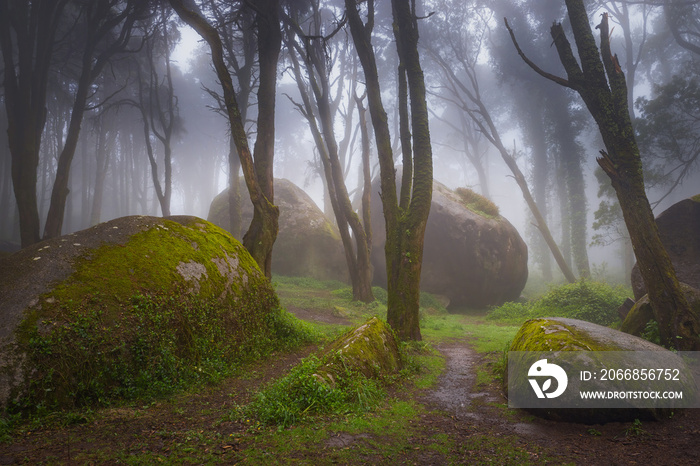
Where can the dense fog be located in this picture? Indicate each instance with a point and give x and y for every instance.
(154, 139)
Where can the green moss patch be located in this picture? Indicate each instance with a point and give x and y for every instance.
(553, 335)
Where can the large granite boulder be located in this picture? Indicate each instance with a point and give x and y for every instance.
(576, 346)
(307, 245)
(471, 255)
(134, 302)
(679, 226)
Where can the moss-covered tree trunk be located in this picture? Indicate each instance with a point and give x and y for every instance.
(263, 229)
(405, 221)
(600, 82)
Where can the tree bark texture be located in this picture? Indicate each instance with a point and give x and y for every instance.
(262, 232)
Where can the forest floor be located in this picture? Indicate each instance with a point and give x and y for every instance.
(452, 413)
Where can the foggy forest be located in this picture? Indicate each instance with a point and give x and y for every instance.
(360, 126)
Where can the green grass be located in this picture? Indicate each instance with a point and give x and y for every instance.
(299, 394)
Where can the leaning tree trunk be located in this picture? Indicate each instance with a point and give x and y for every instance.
(263, 229)
(357, 254)
(602, 86)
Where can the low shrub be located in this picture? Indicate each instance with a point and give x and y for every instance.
(288, 400)
(585, 300)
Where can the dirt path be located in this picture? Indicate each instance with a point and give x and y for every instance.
(471, 409)
(455, 392)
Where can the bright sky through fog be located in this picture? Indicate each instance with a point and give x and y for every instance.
(184, 50)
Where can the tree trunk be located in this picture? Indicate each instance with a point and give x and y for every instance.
(405, 227)
(100, 21)
(263, 229)
(540, 177)
(59, 193)
(25, 84)
(234, 191)
(574, 194)
(357, 255)
(603, 88)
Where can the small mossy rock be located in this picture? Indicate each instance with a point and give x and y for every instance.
(471, 255)
(370, 349)
(307, 244)
(679, 227)
(642, 312)
(554, 334)
(82, 314)
(638, 317)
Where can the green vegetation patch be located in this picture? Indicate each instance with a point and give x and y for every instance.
(584, 300)
(477, 203)
(347, 377)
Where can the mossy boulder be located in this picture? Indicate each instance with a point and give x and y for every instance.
(679, 227)
(130, 305)
(307, 245)
(592, 344)
(370, 349)
(471, 255)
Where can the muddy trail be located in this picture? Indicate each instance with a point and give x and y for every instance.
(466, 408)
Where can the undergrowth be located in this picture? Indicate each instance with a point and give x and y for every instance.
(159, 344)
(585, 300)
(302, 393)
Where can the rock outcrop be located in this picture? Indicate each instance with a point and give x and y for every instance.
(641, 312)
(679, 227)
(96, 313)
(592, 345)
(370, 349)
(474, 257)
(307, 245)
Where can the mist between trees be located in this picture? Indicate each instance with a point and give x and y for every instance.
(108, 111)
